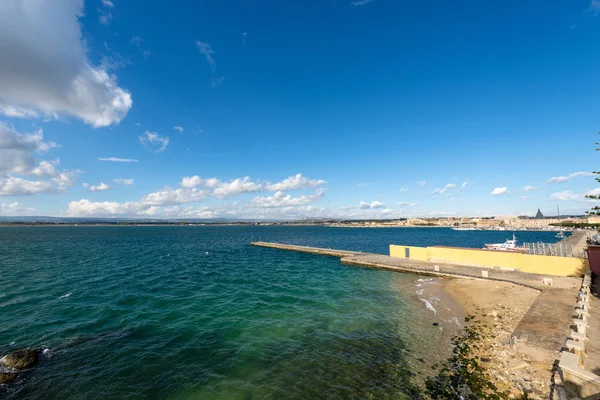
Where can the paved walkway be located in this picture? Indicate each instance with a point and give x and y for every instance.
(592, 348)
(578, 240)
(546, 324)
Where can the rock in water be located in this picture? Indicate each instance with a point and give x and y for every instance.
(22, 359)
(6, 377)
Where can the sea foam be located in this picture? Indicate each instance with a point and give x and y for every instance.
(429, 305)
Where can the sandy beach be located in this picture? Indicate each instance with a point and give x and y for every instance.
(500, 306)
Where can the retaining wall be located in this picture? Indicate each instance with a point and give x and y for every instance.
(573, 377)
(548, 265)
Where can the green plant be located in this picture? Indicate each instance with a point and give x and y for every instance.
(462, 376)
(596, 209)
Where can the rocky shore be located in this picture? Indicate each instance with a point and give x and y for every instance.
(16, 362)
(497, 308)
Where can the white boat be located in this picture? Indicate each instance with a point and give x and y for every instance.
(560, 235)
(509, 245)
(464, 229)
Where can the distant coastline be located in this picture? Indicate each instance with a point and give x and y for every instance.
(499, 223)
(240, 224)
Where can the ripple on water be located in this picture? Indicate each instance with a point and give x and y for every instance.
(143, 312)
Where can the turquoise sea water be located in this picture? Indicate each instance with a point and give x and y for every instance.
(197, 313)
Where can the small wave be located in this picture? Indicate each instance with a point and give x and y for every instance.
(424, 279)
(429, 305)
(64, 296)
(455, 320)
(420, 292)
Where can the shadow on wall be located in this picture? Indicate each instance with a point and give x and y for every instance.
(596, 293)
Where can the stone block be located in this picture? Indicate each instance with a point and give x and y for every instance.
(580, 337)
(581, 325)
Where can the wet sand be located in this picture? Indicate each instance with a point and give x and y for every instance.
(439, 319)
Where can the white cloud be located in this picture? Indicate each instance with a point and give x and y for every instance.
(104, 12)
(45, 68)
(212, 183)
(192, 189)
(403, 190)
(137, 42)
(14, 112)
(529, 188)
(361, 2)
(422, 183)
(237, 186)
(295, 182)
(98, 188)
(362, 184)
(404, 204)
(191, 181)
(15, 209)
(84, 207)
(560, 179)
(116, 159)
(64, 179)
(18, 153)
(207, 51)
(593, 192)
(499, 191)
(17, 150)
(444, 189)
(11, 186)
(570, 196)
(281, 199)
(174, 196)
(246, 185)
(153, 141)
(46, 168)
(123, 181)
(565, 195)
(178, 129)
(371, 206)
(464, 185)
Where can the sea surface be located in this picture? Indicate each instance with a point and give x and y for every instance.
(197, 313)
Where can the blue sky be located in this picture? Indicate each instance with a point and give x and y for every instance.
(291, 109)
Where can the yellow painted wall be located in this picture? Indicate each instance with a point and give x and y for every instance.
(560, 266)
(416, 253)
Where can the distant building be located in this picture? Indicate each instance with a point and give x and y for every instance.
(539, 215)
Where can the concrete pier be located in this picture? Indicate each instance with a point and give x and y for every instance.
(370, 260)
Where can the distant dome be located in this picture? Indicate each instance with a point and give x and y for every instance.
(539, 215)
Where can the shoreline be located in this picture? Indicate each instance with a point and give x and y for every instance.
(500, 306)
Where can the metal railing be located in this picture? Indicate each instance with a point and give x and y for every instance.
(559, 249)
